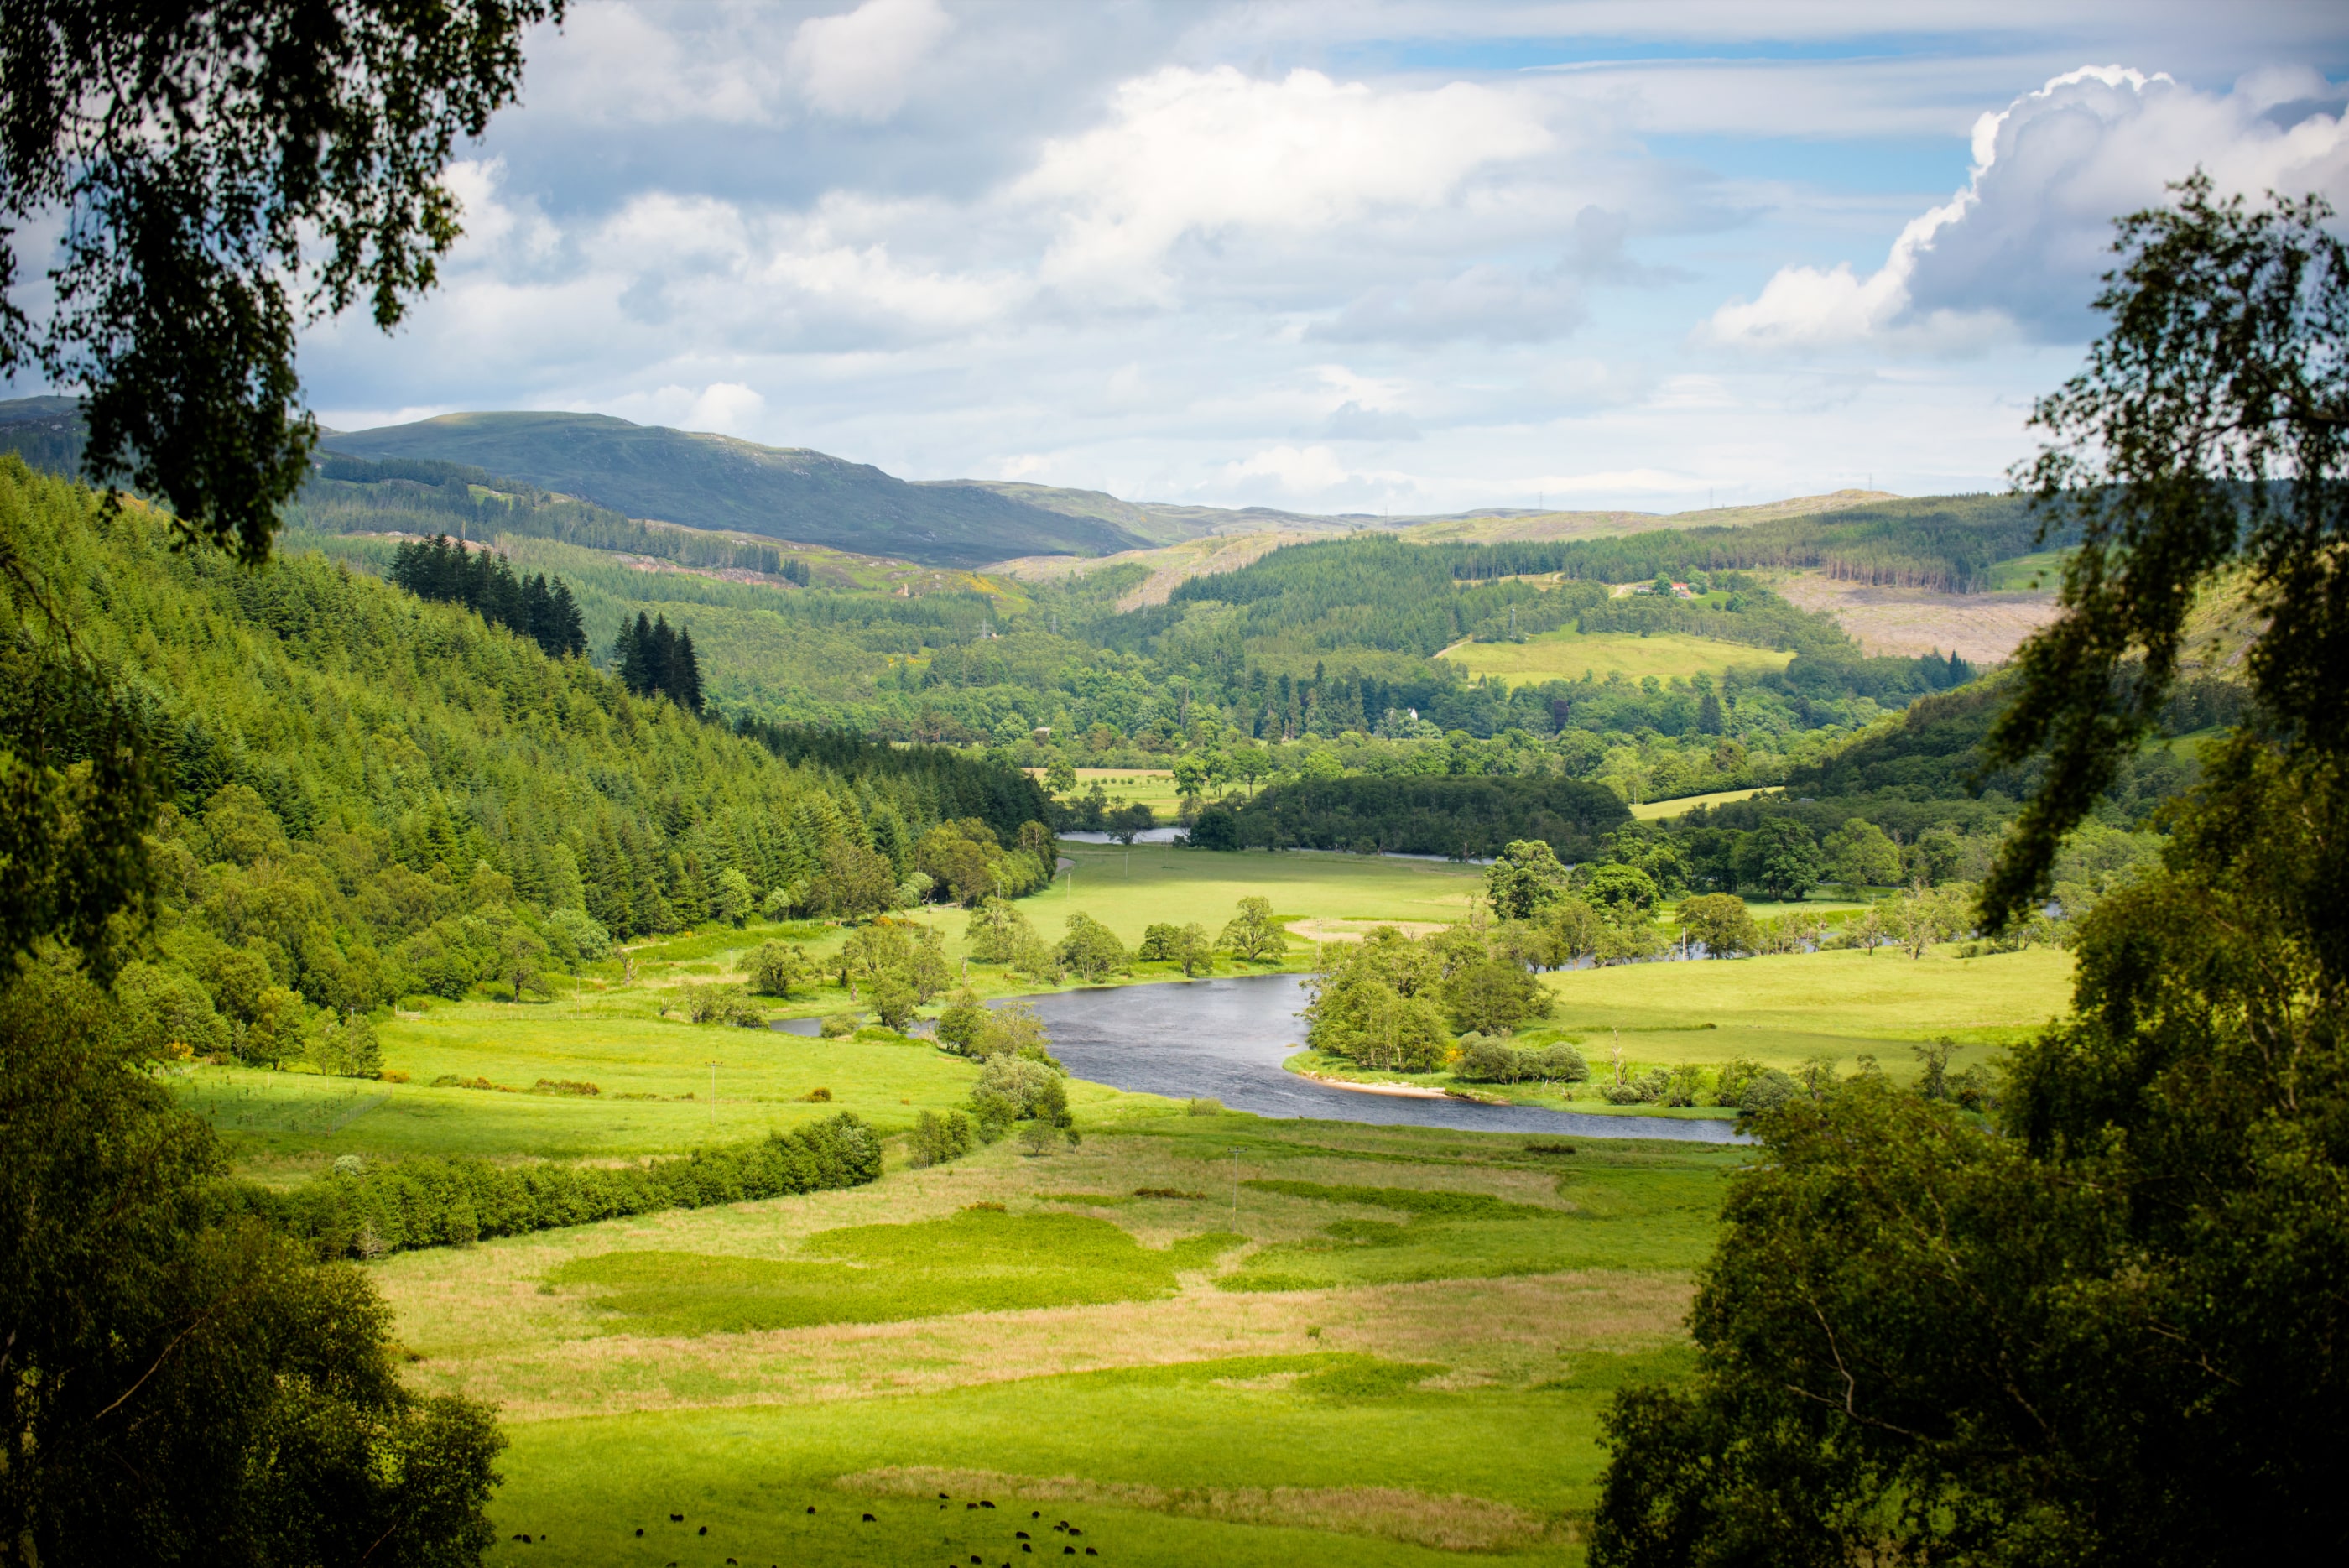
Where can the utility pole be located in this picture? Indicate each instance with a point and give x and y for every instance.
(713, 1092)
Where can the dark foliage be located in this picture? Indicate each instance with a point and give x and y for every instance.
(1455, 816)
(952, 784)
(228, 173)
(654, 662)
(484, 582)
(2109, 1333)
(2208, 431)
(455, 1203)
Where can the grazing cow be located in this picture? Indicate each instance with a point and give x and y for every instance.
(984, 1503)
(811, 1508)
(677, 1519)
(703, 1530)
(640, 1533)
(870, 1520)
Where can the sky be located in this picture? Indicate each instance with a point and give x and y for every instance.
(1375, 256)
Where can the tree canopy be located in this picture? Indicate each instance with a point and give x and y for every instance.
(227, 173)
(2101, 1331)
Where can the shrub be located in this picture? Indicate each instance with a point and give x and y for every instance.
(720, 1005)
(938, 1139)
(1769, 1089)
(838, 1025)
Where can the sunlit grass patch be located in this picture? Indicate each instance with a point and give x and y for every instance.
(980, 1260)
(1568, 655)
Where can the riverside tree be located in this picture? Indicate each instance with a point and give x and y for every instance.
(2103, 1335)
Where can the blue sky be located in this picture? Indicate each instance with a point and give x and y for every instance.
(1360, 256)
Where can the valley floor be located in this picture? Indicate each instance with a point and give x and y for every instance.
(1259, 1359)
(1196, 1336)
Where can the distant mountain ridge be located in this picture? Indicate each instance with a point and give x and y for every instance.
(797, 495)
(717, 482)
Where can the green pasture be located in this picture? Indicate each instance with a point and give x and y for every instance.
(1130, 890)
(1658, 810)
(2041, 571)
(977, 1261)
(654, 1077)
(1568, 654)
(1152, 787)
(1194, 1338)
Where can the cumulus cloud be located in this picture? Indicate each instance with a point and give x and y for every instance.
(1188, 152)
(858, 64)
(2019, 250)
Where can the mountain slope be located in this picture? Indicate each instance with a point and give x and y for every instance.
(717, 482)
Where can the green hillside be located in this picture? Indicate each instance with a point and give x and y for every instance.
(372, 796)
(717, 482)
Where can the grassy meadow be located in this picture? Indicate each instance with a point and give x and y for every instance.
(1659, 810)
(1569, 655)
(1192, 1337)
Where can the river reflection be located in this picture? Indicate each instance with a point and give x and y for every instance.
(1226, 1039)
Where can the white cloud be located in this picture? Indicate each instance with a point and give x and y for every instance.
(858, 64)
(1297, 471)
(1198, 153)
(2021, 247)
(1490, 303)
(730, 408)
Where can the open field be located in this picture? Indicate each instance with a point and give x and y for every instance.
(1152, 787)
(1322, 1344)
(1568, 655)
(1658, 810)
(1130, 890)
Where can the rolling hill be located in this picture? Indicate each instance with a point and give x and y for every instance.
(717, 482)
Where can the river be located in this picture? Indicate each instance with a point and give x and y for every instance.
(1226, 1039)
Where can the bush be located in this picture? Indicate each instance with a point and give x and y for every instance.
(940, 1138)
(838, 1025)
(1768, 1090)
(721, 1004)
(1485, 1059)
(455, 1203)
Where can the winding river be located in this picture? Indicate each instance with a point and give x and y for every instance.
(1226, 1039)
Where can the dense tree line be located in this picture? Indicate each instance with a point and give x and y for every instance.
(953, 783)
(1468, 817)
(484, 582)
(365, 1211)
